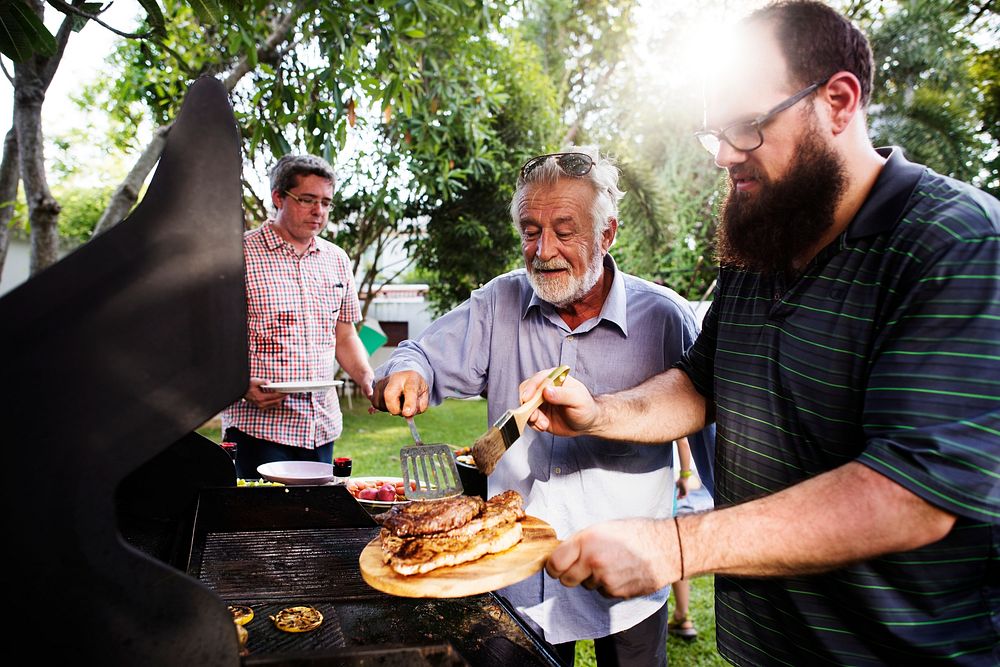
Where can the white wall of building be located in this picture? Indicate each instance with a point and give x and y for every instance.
(17, 265)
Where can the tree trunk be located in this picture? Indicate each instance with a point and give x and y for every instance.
(43, 209)
(31, 80)
(8, 191)
(127, 193)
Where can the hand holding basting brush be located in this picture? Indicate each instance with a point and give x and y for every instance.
(489, 447)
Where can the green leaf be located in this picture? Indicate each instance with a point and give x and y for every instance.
(238, 10)
(279, 145)
(13, 42)
(251, 47)
(415, 33)
(207, 11)
(77, 21)
(30, 28)
(153, 14)
(255, 136)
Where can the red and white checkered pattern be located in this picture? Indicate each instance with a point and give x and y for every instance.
(293, 306)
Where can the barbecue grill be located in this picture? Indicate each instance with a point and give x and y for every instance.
(128, 536)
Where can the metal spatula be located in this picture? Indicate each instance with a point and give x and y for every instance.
(431, 467)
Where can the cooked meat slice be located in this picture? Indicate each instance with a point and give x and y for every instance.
(420, 555)
(510, 499)
(425, 517)
(492, 517)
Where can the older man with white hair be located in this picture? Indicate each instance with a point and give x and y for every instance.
(570, 305)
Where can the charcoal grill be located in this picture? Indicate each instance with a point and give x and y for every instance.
(126, 534)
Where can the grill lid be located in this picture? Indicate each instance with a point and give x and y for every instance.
(112, 354)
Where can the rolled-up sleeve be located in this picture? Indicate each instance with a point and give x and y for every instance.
(453, 353)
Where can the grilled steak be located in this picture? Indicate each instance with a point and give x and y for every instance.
(512, 500)
(492, 517)
(424, 554)
(492, 530)
(431, 516)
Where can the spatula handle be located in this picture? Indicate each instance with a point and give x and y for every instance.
(413, 431)
(554, 379)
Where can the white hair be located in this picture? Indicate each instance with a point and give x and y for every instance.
(603, 178)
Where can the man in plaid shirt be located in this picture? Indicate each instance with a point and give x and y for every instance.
(301, 313)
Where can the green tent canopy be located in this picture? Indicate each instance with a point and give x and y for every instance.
(371, 336)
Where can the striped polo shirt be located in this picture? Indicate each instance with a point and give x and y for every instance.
(885, 351)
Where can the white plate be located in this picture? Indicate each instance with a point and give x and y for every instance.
(297, 472)
(302, 386)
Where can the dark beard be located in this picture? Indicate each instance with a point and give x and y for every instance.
(767, 230)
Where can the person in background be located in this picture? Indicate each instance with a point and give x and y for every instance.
(681, 624)
(302, 308)
(571, 305)
(850, 359)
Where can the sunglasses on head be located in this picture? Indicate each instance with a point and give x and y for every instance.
(571, 164)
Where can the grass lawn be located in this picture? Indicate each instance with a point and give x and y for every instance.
(374, 441)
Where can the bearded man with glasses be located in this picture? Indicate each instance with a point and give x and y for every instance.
(850, 359)
(570, 305)
(302, 307)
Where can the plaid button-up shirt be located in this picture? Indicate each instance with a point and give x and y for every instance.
(293, 306)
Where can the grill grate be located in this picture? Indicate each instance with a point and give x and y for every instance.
(285, 565)
(265, 638)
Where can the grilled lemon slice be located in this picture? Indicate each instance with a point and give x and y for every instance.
(298, 619)
(241, 614)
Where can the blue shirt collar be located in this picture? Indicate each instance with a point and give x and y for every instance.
(613, 310)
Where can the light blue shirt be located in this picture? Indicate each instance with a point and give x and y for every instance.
(503, 334)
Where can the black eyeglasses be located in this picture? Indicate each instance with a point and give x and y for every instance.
(747, 136)
(571, 164)
(309, 202)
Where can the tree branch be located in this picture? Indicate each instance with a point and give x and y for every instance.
(269, 50)
(178, 58)
(69, 10)
(47, 67)
(984, 9)
(6, 73)
(126, 193)
(8, 190)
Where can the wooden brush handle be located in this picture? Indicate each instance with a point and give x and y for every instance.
(554, 379)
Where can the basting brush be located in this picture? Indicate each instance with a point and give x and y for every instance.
(490, 446)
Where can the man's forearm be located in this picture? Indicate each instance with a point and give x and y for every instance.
(353, 358)
(849, 514)
(661, 409)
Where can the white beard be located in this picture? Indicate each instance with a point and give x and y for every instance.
(567, 288)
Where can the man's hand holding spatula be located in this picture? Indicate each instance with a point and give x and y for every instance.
(404, 393)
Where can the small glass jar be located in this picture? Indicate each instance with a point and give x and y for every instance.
(230, 448)
(341, 469)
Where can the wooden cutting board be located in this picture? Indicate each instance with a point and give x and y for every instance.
(479, 576)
